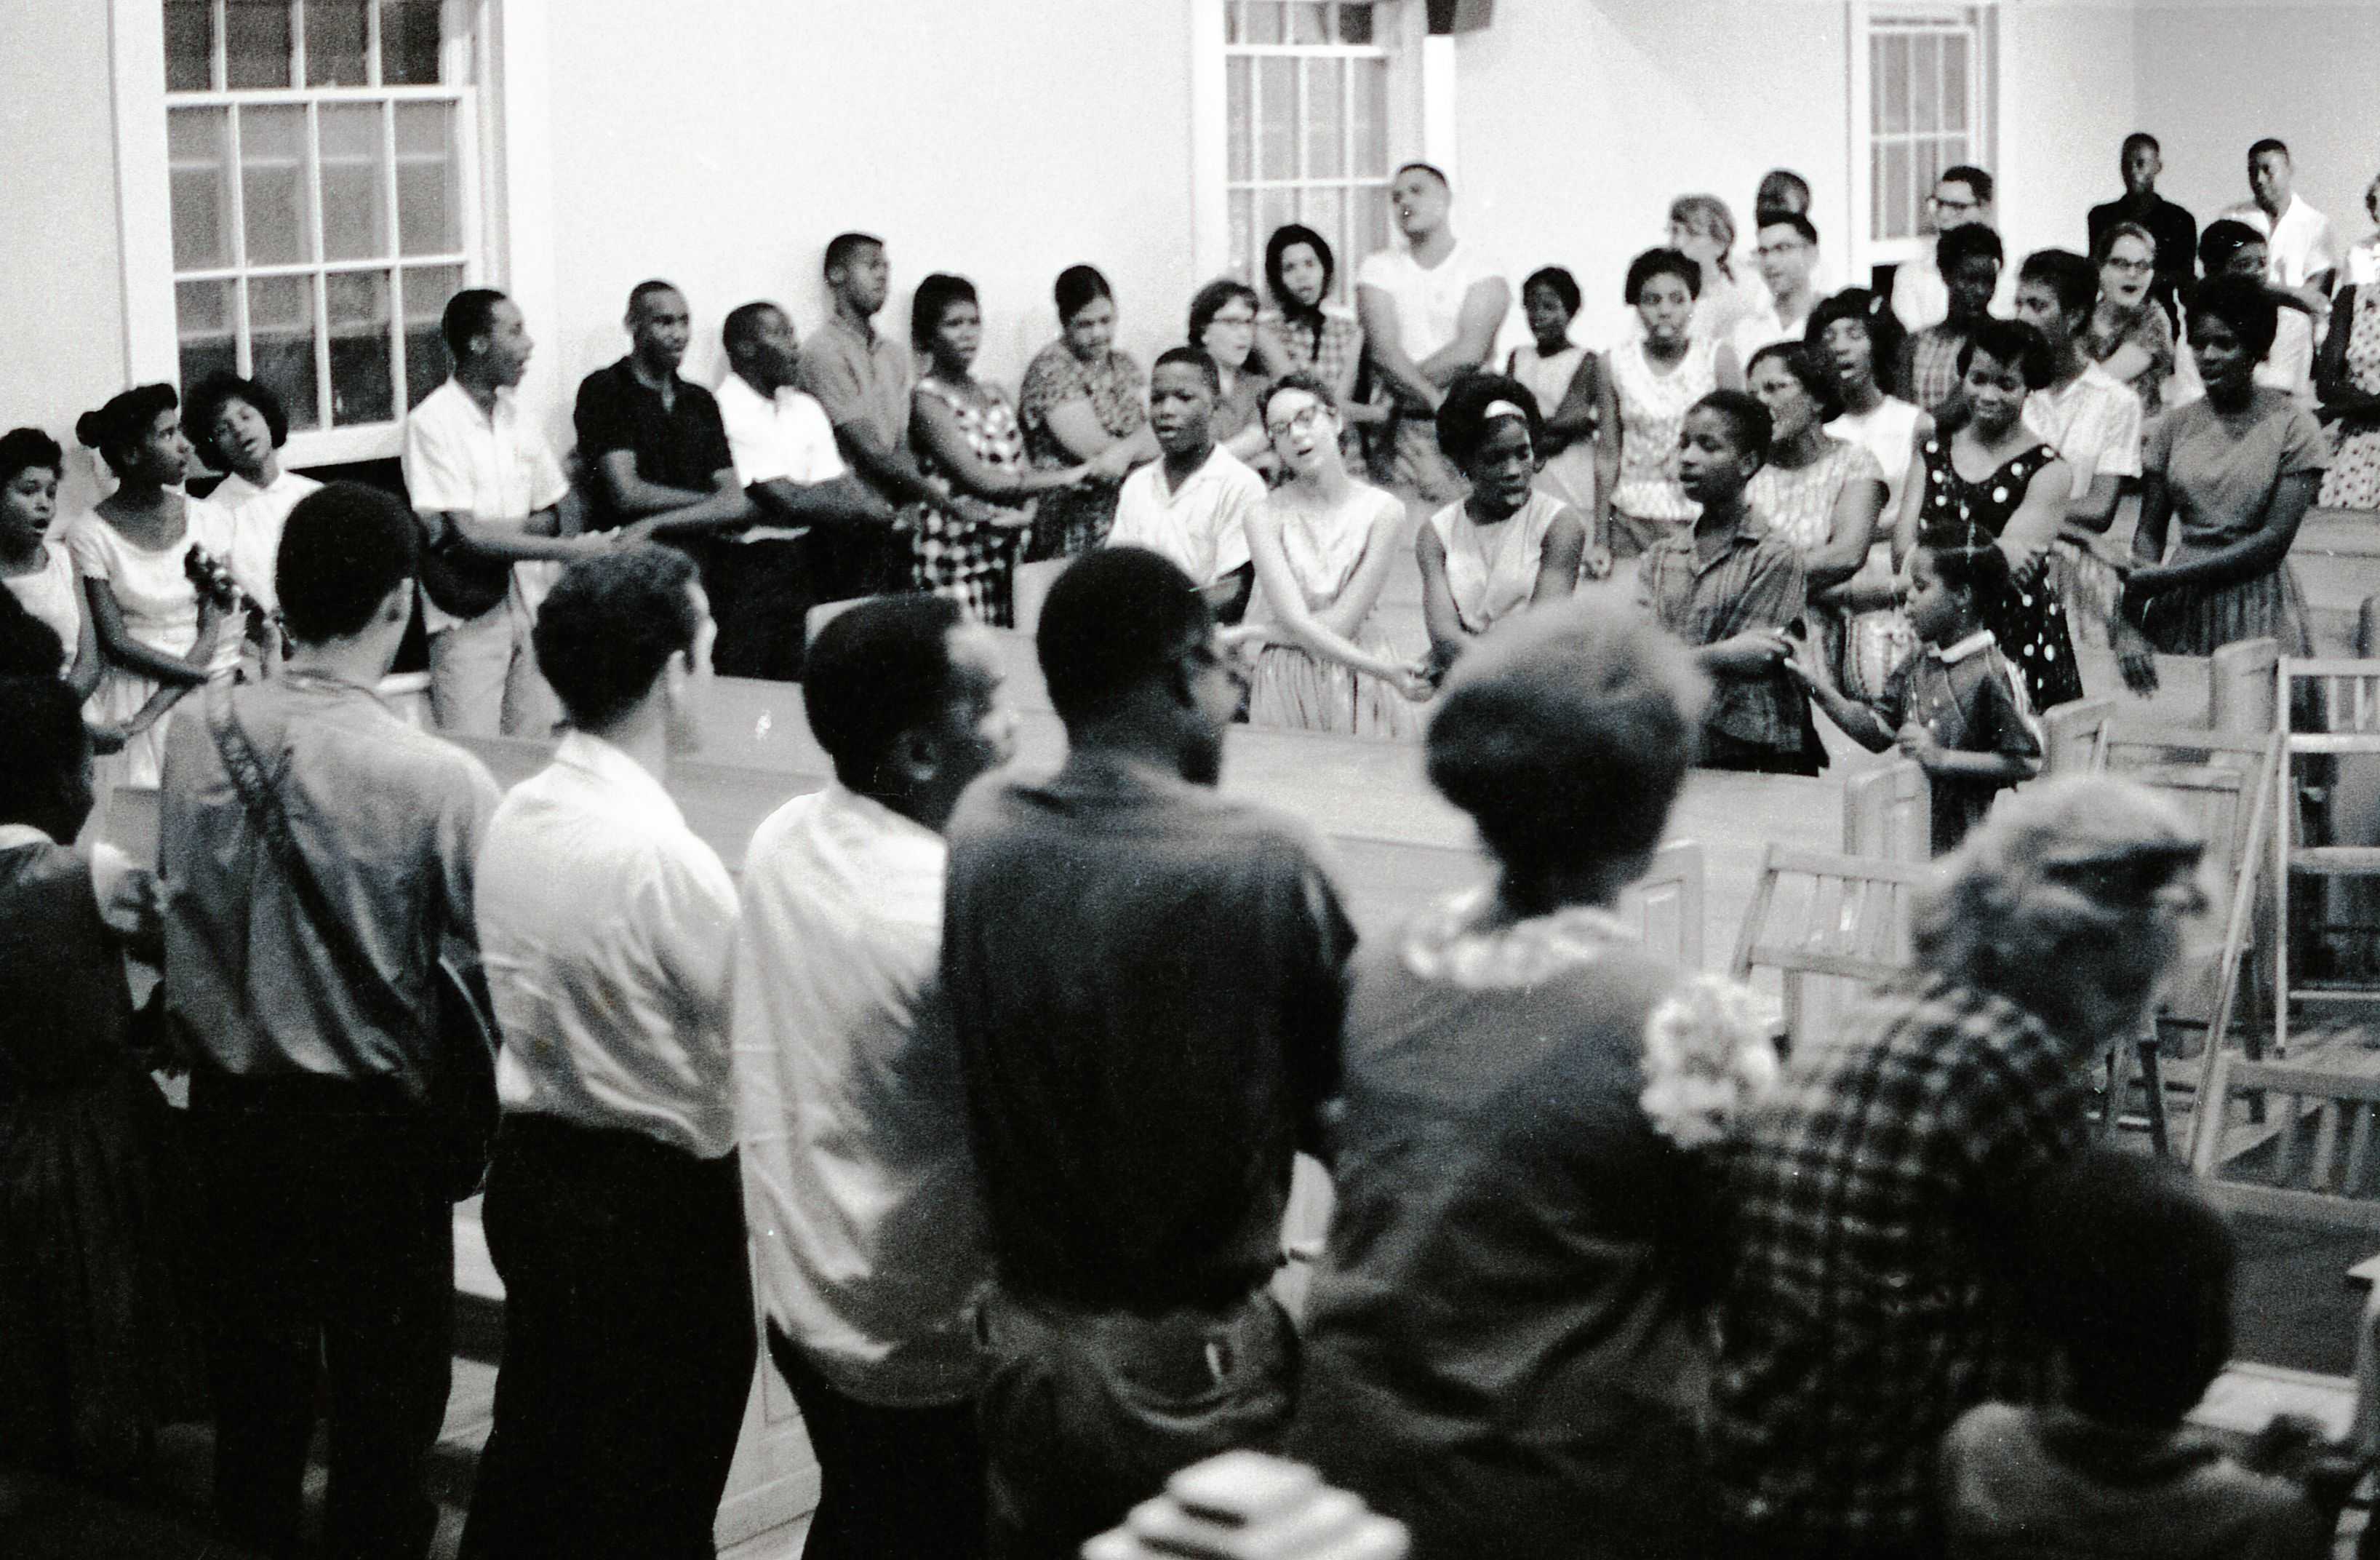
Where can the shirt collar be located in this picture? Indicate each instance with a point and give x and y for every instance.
(877, 818)
(616, 770)
(1973, 644)
(626, 368)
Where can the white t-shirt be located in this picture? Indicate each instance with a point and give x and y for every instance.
(2299, 246)
(1428, 299)
(491, 466)
(53, 595)
(1202, 526)
(259, 516)
(786, 438)
(2094, 424)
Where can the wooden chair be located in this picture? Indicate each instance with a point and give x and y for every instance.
(2330, 724)
(2074, 736)
(2298, 1183)
(1665, 906)
(1888, 813)
(2242, 693)
(1829, 926)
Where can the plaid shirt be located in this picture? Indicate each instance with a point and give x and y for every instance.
(1864, 1305)
(1756, 583)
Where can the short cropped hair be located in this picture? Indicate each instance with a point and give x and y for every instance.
(2126, 1269)
(1971, 176)
(124, 420)
(1959, 245)
(469, 314)
(1114, 621)
(1212, 299)
(217, 391)
(1284, 238)
(1296, 379)
(1794, 220)
(1558, 281)
(2269, 143)
(646, 289)
(23, 449)
(1782, 189)
(2010, 344)
(1566, 734)
(843, 247)
(2241, 303)
(1979, 573)
(1191, 357)
(2222, 238)
(2123, 230)
(1462, 417)
(932, 301)
(2071, 277)
(1872, 314)
(610, 625)
(742, 326)
(1662, 263)
(1808, 366)
(1748, 421)
(877, 670)
(46, 745)
(1432, 169)
(345, 547)
(2141, 138)
(1077, 288)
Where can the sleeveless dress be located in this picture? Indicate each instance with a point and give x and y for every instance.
(1491, 570)
(160, 609)
(1889, 433)
(1295, 689)
(2353, 479)
(2029, 623)
(98, 1317)
(970, 562)
(1799, 506)
(1646, 501)
(53, 596)
(1569, 475)
(1077, 519)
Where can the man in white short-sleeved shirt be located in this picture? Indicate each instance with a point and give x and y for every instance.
(788, 462)
(2301, 253)
(1430, 313)
(1786, 249)
(2092, 420)
(1193, 504)
(1920, 297)
(488, 489)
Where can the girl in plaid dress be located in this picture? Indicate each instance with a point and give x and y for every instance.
(968, 445)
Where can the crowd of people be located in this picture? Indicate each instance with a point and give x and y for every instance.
(971, 1105)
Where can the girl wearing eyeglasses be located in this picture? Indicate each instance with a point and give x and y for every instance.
(1322, 544)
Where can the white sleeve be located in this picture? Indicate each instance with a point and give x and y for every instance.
(752, 441)
(437, 475)
(1228, 540)
(2119, 455)
(548, 486)
(812, 456)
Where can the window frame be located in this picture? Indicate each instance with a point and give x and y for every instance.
(507, 76)
(1987, 88)
(1417, 106)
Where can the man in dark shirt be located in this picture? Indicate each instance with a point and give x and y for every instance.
(654, 449)
(2175, 230)
(1144, 979)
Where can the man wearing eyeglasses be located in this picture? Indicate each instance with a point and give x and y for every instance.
(1920, 296)
(2170, 227)
(1787, 250)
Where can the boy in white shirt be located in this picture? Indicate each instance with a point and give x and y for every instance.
(1193, 504)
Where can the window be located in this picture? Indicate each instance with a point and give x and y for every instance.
(1930, 83)
(324, 200)
(1307, 90)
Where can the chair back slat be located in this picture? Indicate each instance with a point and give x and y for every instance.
(1827, 927)
(2075, 736)
(2359, 1148)
(1888, 811)
(2308, 1157)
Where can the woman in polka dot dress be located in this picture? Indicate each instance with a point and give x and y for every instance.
(1988, 481)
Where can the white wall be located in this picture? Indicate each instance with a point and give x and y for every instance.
(2068, 100)
(1004, 142)
(2214, 77)
(62, 347)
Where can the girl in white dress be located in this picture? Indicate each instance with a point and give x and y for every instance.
(160, 636)
(1508, 545)
(1322, 544)
(1649, 385)
(239, 426)
(1856, 336)
(1566, 379)
(39, 572)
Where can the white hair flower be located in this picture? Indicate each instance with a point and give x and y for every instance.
(1710, 1055)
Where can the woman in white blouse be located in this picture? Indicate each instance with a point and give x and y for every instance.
(238, 425)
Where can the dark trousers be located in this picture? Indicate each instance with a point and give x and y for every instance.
(893, 1484)
(849, 561)
(334, 1255)
(1086, 1414)
(761, 593)
(628, 1346)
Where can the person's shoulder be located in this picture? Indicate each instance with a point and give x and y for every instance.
(698, 394)
(1384, 267)
(440, 414)
(606, 383)
(1233, 473)
(1139, 485)
(1237, 825)
(1447, 518)
(1377, 503)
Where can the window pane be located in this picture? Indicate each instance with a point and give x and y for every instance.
(281, 325)
(190, 45)
(355, 188)
(202, 323)
(1326, 118)
(1355, 24)
(1277, 109)
(1878, 226)
(363, 388)
(1369, 117)
(1954, 83)
(1371, 235)
(1889, 66)
(1238, 131)
(1925, 172)
(1247, 243)
(427, 288)
(1309, 22)
(1924, 83)
(1894, 191)
(273, 184)
(198, 148)
(429, 179)
(1230, 21)
(410, 43)
(1325, 211)
(334, 43)
(256, 42)
(1263, 23)
(1275, 207)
